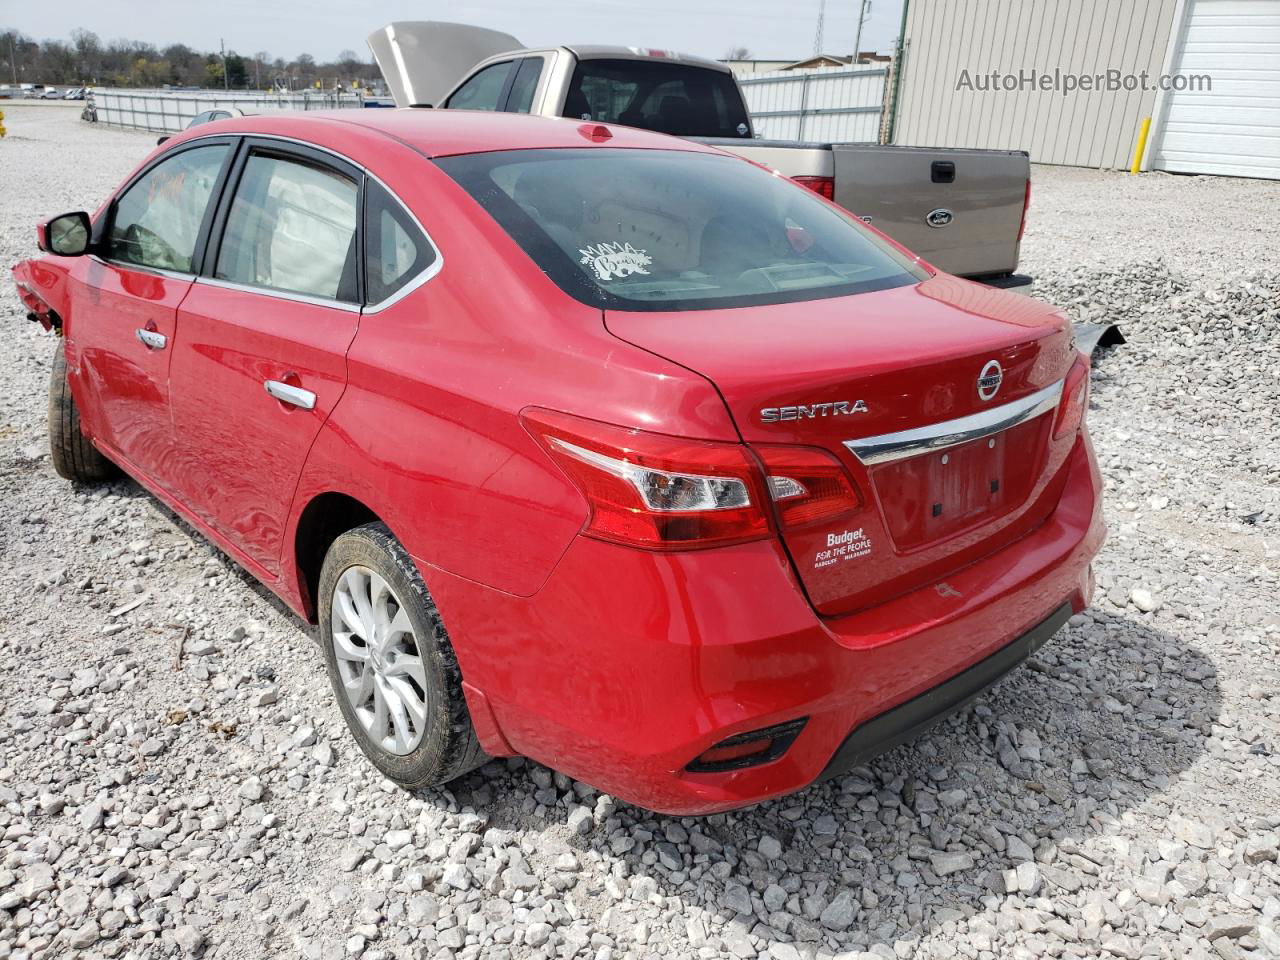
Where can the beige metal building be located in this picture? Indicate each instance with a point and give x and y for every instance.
(1230, 124)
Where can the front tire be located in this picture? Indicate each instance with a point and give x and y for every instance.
(391, 664)
(73, 455)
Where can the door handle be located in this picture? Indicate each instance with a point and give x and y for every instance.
(151, 339)
(294, 396)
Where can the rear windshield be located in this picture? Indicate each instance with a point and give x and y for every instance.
(674, 230)
(679, 99)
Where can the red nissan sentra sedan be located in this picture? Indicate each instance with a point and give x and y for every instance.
(579, 442)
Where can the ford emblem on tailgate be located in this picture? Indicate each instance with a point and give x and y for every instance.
(989, 379)
(940, 217)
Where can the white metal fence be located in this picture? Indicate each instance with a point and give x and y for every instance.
(168, 111)
(834, 104)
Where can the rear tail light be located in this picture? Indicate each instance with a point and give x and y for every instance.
(807, 485)
(655, 491)
(748, 749)
(822, 186)
(1026, 203)
(1075, 400)
(660, 492)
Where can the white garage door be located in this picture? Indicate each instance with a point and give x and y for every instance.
(1234, 127)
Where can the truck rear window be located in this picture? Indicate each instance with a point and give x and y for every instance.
(676, 230)
(669, 97)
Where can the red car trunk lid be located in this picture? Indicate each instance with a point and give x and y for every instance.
(855, 375)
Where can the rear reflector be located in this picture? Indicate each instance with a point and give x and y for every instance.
(822, 186)
(654, 491)
(748, 749)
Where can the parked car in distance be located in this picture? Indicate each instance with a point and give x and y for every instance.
(963, 210)
(203, 117)
(578, 441)
(51, 93)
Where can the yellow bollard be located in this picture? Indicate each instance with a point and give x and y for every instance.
(2, 129)
(1142, 145)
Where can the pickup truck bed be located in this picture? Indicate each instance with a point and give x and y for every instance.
(897, 188)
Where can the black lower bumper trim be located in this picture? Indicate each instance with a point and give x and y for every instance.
(1005, 280)
(912, 718)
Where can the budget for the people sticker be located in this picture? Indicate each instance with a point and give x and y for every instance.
(847, 545)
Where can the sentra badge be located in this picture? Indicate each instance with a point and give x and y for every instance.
(811, 411)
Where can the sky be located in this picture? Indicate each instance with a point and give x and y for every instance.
(770, 29)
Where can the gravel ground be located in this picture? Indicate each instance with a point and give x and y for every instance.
(1118, 798)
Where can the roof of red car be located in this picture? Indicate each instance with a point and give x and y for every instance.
(441, 133)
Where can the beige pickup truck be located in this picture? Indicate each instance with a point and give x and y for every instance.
(962, 210)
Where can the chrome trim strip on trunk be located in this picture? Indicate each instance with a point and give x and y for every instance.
(951, 433)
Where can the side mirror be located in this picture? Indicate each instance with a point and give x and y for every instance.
(65, 236)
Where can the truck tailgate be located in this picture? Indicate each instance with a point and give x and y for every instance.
(959, 209)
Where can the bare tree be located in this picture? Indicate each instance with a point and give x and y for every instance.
(738, 53)
(260, 59)
(87, 59)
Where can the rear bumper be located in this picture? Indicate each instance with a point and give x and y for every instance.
(628, 665)
(908, 721)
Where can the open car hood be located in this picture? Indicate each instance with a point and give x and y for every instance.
(421, 60)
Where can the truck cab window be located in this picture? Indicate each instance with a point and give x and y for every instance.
(658, 95)
(520, 99)
(483, 91)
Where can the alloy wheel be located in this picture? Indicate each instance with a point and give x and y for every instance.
(379, 660)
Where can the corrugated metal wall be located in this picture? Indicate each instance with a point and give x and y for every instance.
(831, 104)
(1097, 128)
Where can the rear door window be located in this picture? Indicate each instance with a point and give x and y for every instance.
(292, 228)
(484, 91)
(157, 220)
(669, 97)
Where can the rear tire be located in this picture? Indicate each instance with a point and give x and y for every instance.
(389, 657)
(73, 455)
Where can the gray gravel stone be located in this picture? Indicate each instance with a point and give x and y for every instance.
(189, 939)
(769, 848)
(1225, 925)
(840, 913)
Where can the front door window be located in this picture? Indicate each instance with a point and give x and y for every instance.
(157, 220)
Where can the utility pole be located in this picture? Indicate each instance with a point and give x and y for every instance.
(226, 80)
(13, 60)
(864, 11)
